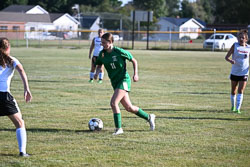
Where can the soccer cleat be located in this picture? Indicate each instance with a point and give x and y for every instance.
(23, 154)
(118, 131)
(100, 81)
(233, 109)
(91, 81)
(152, 121)
(238, 111)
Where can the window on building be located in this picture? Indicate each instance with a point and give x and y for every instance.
(193, 29)
(15, 28)
(184, 29)
(32, 28)
(3, 28)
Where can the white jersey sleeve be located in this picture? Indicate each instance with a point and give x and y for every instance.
(6, 75)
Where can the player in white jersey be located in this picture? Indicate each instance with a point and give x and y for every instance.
(97, 46)
(240, 52)
(8, 105)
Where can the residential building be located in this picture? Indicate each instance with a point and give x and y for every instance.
(15, 20)
(179, 28)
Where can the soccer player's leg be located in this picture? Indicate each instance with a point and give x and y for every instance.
(20, 133)
(234, 86)
(242, 86)
(114, 103)
(138, 111)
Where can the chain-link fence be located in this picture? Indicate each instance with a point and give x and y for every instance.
(166, 40)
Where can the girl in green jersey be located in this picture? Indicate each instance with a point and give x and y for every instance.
(114, 61)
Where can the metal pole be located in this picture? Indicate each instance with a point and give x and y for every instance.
(170, 39)
(214, 39)
(148, 30)
(133, 31)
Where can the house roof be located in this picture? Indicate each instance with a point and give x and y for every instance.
(88, 21)
(18, 8)
(180, 21)
(55, 16)
(22, 17)
(23, 8)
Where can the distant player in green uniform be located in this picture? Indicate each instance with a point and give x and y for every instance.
(114, 61)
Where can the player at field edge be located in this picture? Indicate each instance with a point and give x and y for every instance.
(114, 60)
(240, 52)
(8, 105)
(97, 47)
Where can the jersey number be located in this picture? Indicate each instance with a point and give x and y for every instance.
(112, 65)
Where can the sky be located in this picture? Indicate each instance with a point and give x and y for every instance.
(125, 2)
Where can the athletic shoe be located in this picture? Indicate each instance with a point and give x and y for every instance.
(233, 109)
(238, 111)
(23, 154)
(152, 121)
(100, 81)
(91, 81)
(118, 131)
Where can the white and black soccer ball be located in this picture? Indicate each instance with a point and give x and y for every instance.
(95, 124)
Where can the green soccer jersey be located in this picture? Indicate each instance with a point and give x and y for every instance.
(115, 64)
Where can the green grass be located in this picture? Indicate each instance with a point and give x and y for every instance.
(189, 92)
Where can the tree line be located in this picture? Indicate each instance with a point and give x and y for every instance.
(210, 11)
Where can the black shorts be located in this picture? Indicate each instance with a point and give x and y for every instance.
(238, 78)
(8, 105)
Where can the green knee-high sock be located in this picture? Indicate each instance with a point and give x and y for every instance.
(142, 114)
(118, 120)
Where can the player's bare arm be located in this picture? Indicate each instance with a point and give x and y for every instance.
(27, 93)
(91, 47)
(135, 66)
(229, 53)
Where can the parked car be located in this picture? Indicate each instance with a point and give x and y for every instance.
(117, 38)
(220, 41)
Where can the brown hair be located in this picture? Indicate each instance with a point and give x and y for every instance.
(244, 32)
(5, 59)
(108, 37)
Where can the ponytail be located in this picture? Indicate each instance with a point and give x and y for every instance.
(5, 59)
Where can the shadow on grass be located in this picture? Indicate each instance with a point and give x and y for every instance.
(199, 118)
(47, 81)
(7, 155)
(46, 130)
(169, 110)
(202, 93)
(205, 93)
(190, 118)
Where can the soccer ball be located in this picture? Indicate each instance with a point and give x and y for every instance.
(95, 124)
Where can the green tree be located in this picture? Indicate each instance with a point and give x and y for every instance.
(172, 8)
(200, 9)
(186, 9)
(232, 11)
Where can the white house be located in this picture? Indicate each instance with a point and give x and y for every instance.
(178, 28)
(65, 22)
(28, 9)
(37, 21)
(92, 23)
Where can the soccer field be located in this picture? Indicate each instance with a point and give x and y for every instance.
(189, 92)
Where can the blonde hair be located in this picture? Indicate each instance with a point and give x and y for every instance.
(5, 59)
(244, 32)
